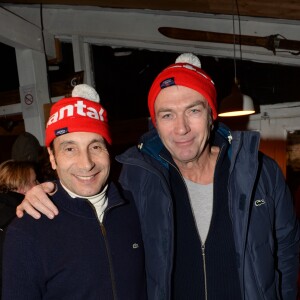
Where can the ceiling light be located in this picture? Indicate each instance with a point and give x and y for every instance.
(236, 104)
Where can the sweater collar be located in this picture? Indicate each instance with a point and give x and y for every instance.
(82, 206)
(99, 201)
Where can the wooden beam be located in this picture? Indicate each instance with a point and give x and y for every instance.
(272, 42)
(279, 9)
(20, 33)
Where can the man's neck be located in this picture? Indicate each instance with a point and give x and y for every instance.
(200, 170)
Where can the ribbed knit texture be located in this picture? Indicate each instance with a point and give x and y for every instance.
(221, 268)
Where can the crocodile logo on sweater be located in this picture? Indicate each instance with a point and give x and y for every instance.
(260, 202)
(135, 246)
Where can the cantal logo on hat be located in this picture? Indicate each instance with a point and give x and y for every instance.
(78, 109)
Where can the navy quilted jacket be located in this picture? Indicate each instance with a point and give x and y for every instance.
(266, 231)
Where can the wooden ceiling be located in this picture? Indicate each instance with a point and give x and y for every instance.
(95, 30)
(277, 9)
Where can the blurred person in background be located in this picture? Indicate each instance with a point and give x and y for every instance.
(16, 178)
(27, 148)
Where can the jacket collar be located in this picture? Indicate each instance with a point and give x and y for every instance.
(151, 144)
(81, 206)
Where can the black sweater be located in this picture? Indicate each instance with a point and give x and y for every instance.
(220, 255)
(73, 256)
(8, 203)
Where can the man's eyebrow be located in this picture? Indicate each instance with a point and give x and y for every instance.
(164, 109)
(195, 103)
(100, 140)
(67, 142)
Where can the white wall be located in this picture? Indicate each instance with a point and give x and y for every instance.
(274, 121)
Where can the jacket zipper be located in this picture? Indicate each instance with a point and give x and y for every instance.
(103, 231)
(112, 276)
(204, 270)
(202, 245)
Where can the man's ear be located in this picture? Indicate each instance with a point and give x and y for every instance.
(52, 158)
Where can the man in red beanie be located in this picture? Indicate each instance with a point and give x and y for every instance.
(216, 214)
(93, 249)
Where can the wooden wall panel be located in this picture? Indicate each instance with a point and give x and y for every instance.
(276, 149)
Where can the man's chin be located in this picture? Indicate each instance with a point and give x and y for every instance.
(185, 156)
(86, 192)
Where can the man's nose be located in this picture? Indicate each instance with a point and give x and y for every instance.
(85, 161)
(182, 125)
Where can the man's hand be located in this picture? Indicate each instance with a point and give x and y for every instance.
(36, 202)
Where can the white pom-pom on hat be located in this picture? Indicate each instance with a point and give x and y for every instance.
(189, 58)
(85, 91)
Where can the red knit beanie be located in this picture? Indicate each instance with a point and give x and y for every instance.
(186, 72)
(79, 113)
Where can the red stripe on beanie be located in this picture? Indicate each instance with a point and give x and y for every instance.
(186, 75)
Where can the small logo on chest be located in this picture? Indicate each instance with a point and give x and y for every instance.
(260, 202)
(135, 246)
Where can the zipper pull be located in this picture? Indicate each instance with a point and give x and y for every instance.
(103, 230)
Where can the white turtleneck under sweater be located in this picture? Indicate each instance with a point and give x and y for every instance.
(99, 201)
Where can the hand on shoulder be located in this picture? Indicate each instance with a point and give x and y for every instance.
(37, 202)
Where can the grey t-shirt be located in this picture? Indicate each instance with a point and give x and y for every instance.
(201, 197)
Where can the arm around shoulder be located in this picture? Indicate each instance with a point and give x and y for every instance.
(37, 202)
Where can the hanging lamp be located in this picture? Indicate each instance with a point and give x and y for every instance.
(236, 104)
